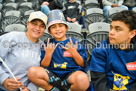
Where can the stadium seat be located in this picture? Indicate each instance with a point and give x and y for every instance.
(20, 1)
(8, 1)
(74, 27)
(90, 4)
(78, 2)
(25, 6)
(11, 17)
(91, 1)
(113, 11)
(12, 4)
(94, 15)
(26, 16)
(97, 32)
(8, 7)
(134, 9)
(75, 31)
(13, 13)
(75, 35)
(1, 6)
(46, 36)
(99, 26)
(94, 38)
(15, 27)
(35, 4)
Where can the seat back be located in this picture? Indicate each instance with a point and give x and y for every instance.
(25, 6)
(114, 11)
(90, 4)
(99, 26)
(75, 35)
(20, 1)
(7, 8)
(15, 27)
(11, 17)
(35, 4)
(26, 16)
(134, 9)
(15, 5)
(94, 38)
(90, 1)
(94, 15)
(45, 37)
(8, 1)
(1, 6)
(74, 27)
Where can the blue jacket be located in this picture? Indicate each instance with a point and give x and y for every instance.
(118, 65)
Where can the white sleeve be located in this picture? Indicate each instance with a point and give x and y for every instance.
(5, 48)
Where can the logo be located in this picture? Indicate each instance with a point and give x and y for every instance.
(67, 54)
(131, 66)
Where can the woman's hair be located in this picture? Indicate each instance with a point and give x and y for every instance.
(128, 17)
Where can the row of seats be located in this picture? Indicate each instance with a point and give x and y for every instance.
(97, 32)
(25, 6)
(14, 17)
(97, 15)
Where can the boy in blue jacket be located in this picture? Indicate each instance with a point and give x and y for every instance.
(113, 63)
(63, 59)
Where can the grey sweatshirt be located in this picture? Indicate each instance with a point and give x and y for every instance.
(19, 53)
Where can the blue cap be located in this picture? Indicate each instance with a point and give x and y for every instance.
(56, 16)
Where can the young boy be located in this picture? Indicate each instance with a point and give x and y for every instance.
(63, 59)
(113, 64)
(72, 11)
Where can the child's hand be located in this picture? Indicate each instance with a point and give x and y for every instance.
(70, 47)
(45, 3)
(50, 47)
(25, 89)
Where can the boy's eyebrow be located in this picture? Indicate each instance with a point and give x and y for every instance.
(116, 26)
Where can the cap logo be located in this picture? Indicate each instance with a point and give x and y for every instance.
(39, 15)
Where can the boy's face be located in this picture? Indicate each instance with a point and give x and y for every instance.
(35, 29)
(58, 31)
(120, 33)
(72, 1)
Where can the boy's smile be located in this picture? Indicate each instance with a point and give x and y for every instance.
(58, 31)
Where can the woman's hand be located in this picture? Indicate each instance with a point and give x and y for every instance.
(12, 84)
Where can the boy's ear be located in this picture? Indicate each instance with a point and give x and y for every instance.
(133, 33)
(67, 27)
